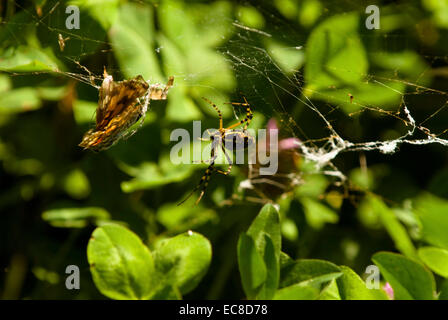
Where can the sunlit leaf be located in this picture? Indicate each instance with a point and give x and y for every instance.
(19, 100)
(352, 287)
(335, 53)
(76, 184)
(250, 17)
(409, 279)
(267, 222)
(288, 58)
(390, 222)
(330, 292)
(432, 213)
(149, 175)
(317, 214)
(75, 217)
(251, 265)
(308, 271)
(104, 11)
(27, 59)
(436, 259)
(272, 276)
(297, 292)
(84, 111)
(184, 260)
(132, 39)
(122, 266)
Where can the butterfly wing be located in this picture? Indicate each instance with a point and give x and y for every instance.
(116, 97)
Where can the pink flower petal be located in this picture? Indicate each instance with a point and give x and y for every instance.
(288, 143)
(389, 291)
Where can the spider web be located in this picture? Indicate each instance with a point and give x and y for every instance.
(275, 90)
(412, 118)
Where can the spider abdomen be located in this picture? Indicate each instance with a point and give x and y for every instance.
(237, 140)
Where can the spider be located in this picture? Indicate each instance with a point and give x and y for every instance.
(221, 139)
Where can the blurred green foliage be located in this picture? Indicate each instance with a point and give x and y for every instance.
(60, 205)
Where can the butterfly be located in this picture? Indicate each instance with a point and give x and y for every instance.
(120, 105)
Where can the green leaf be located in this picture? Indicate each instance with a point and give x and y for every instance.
(303, 274)
(84, 111)
(212, 63)
(177, 25)
(213, 22)
(249, 16)
(182, 22)
(361, 178)
(314, 186)
(75, 217)
(337, 67)
(76, 184)
(271, 262)
(19, 100)
(387, 94)
(122, 266)
(174, 217)
(409, 279)
(288, 8)
(267, 222)
(251, 265)
(335, 54)
(407, 64)
(309, 12)
(184, 50)
(265, 236)
(52, 93)
(432, 213)
(395, 229)
(5, 83)
(303, 279)
(330, 292)
(436, 259)
(149, 175)
(19, 26)
(27, 59)
(317, 214)
(132, 37)
(289, 229)
(289, 59)
(166, 291)
(183, 260)
(309, 270)
(104, 11)
(438, 11)
(285, 261)
(352, 287)
(297, 292)
(181, 108)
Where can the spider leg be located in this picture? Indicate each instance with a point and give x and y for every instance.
(213, 154)
(157, 93)
(229, 160)
(212, 159)
(247, 119)
(217, 110)
(206, 177)
(210, 135)
(168, 85)
(203, 183)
